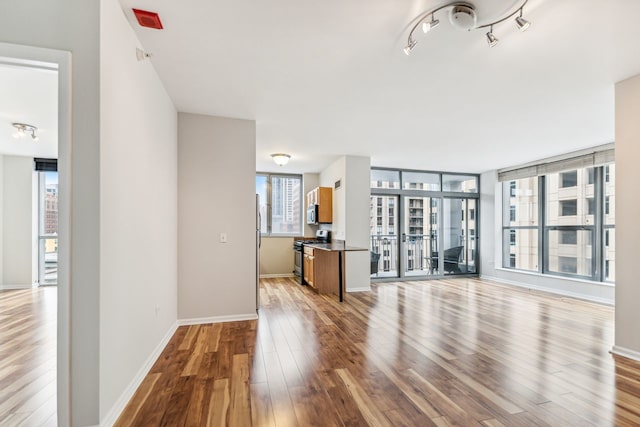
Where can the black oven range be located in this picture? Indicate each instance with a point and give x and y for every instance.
(322, 236)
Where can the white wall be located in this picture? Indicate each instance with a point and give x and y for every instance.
(309, 182)
(1, 216)
(627, 338)
(72, 25)
(17, 221)
(328, 177)
(216, 194)
(351, 214)
(491, 253)
(138, 208)
(276, 256)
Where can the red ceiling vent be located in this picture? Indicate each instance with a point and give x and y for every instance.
(148, 19)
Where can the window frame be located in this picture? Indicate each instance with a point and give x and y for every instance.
(563, 175)
(563, 204)
(269, 204)
(597, 227)
(437, 198)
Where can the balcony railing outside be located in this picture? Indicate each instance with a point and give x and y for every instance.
(48, 260)
(418, 250)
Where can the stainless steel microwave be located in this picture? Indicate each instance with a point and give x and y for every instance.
(312, 214)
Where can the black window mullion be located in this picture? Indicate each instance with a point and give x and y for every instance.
(598, 238)
(542, 220)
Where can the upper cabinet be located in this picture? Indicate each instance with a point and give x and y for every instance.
(322, 198)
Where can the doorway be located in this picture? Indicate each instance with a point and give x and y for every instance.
(423, 224)
(41, 60)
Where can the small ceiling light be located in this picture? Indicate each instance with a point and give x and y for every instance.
(522, 23)
(23, 130)
(280, 159)
(427, 26)
(491, 39)
(412, 43)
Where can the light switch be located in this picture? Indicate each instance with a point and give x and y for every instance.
(223, 237)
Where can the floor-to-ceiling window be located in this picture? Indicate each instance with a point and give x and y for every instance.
(47, 221)
(560, 220)
(422, 223)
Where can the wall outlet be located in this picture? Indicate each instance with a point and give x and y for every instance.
(223, 237)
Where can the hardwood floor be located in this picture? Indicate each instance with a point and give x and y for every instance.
(450, 352)
(28, 357)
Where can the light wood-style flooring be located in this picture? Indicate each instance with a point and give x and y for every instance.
(450, 352)
(28, 357)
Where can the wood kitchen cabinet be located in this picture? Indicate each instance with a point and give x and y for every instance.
(326, 272)
(308, 267)
(323, 197)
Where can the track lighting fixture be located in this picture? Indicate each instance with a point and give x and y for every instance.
(462, 15)
(522, 23)
(410, 45)
(427, 26)
(491, 39)
(23, 130)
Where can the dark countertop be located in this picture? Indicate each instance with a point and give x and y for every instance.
(334, 247)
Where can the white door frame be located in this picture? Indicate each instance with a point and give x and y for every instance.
(34, 56)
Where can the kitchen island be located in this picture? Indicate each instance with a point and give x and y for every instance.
(328, 266)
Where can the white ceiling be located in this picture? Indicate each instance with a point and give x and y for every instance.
(28, 95)
(324, 79)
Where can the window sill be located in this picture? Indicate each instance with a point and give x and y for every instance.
(553, 276)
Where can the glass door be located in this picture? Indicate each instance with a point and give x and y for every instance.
(420, 236)
(383, 220)
(459, 238)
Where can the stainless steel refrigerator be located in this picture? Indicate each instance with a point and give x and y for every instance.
(258, 244)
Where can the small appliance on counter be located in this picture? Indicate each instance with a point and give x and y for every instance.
(322, 236)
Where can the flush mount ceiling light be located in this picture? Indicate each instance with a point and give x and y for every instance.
(281, 159)
(462, 15)
(22, 130)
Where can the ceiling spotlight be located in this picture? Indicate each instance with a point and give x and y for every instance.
(462, 16)
(491, 39)
(522, 23)
(280, 159)
(412, 43)
(426, 26)
(23, 130)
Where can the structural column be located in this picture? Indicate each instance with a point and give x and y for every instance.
(627, 208)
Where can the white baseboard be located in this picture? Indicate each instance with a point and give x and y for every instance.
(17, 287)
(217, 319)
(125, 397)
(362, 289)
(549, 290)
(625, 352)
(273, 276)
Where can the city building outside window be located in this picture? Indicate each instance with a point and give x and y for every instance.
(280, 204)
(575, 234)
(425, 216)
(520, 224)
(569, 179)
(568, 207)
